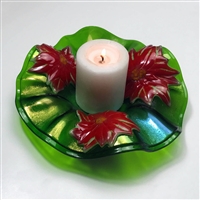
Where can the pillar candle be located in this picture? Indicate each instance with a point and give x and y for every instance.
(101, 70)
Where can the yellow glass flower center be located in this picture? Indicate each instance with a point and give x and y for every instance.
(137, 74)
(100, 120)
(63, 60)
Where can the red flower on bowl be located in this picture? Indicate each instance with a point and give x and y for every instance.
(102, 128)
(58, 65)
(149, 75)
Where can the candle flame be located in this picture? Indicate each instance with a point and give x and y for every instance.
(103, 53)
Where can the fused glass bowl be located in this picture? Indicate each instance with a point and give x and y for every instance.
(52, 116)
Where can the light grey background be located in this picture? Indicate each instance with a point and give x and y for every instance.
(168, 173)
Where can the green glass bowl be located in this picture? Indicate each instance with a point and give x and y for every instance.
(52, 116)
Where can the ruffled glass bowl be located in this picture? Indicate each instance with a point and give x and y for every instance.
(52, 116)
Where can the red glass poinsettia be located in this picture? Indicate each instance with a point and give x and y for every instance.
(59, 66)
(149, 75)
(102, 128)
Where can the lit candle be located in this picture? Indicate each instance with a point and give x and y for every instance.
(101, 71)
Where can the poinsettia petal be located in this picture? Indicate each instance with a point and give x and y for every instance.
(85, 126)
(162, 70)
(171, 80)
(51, 73)
(158, 90)
(128, 125)
(84, 136)
(89, 144)
(121, 122)
(101, 135)
(67, 52)
(153, 88)
(47, 53)
(141, 95)
(46, 48)
(42, 62)
(82, 116)
(47, 56)
(39, 67)
(58, 84)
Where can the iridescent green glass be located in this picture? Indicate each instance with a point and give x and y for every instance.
(52, 116)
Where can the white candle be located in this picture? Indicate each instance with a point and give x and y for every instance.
(101, 75)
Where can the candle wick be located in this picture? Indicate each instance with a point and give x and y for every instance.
(102, 59)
